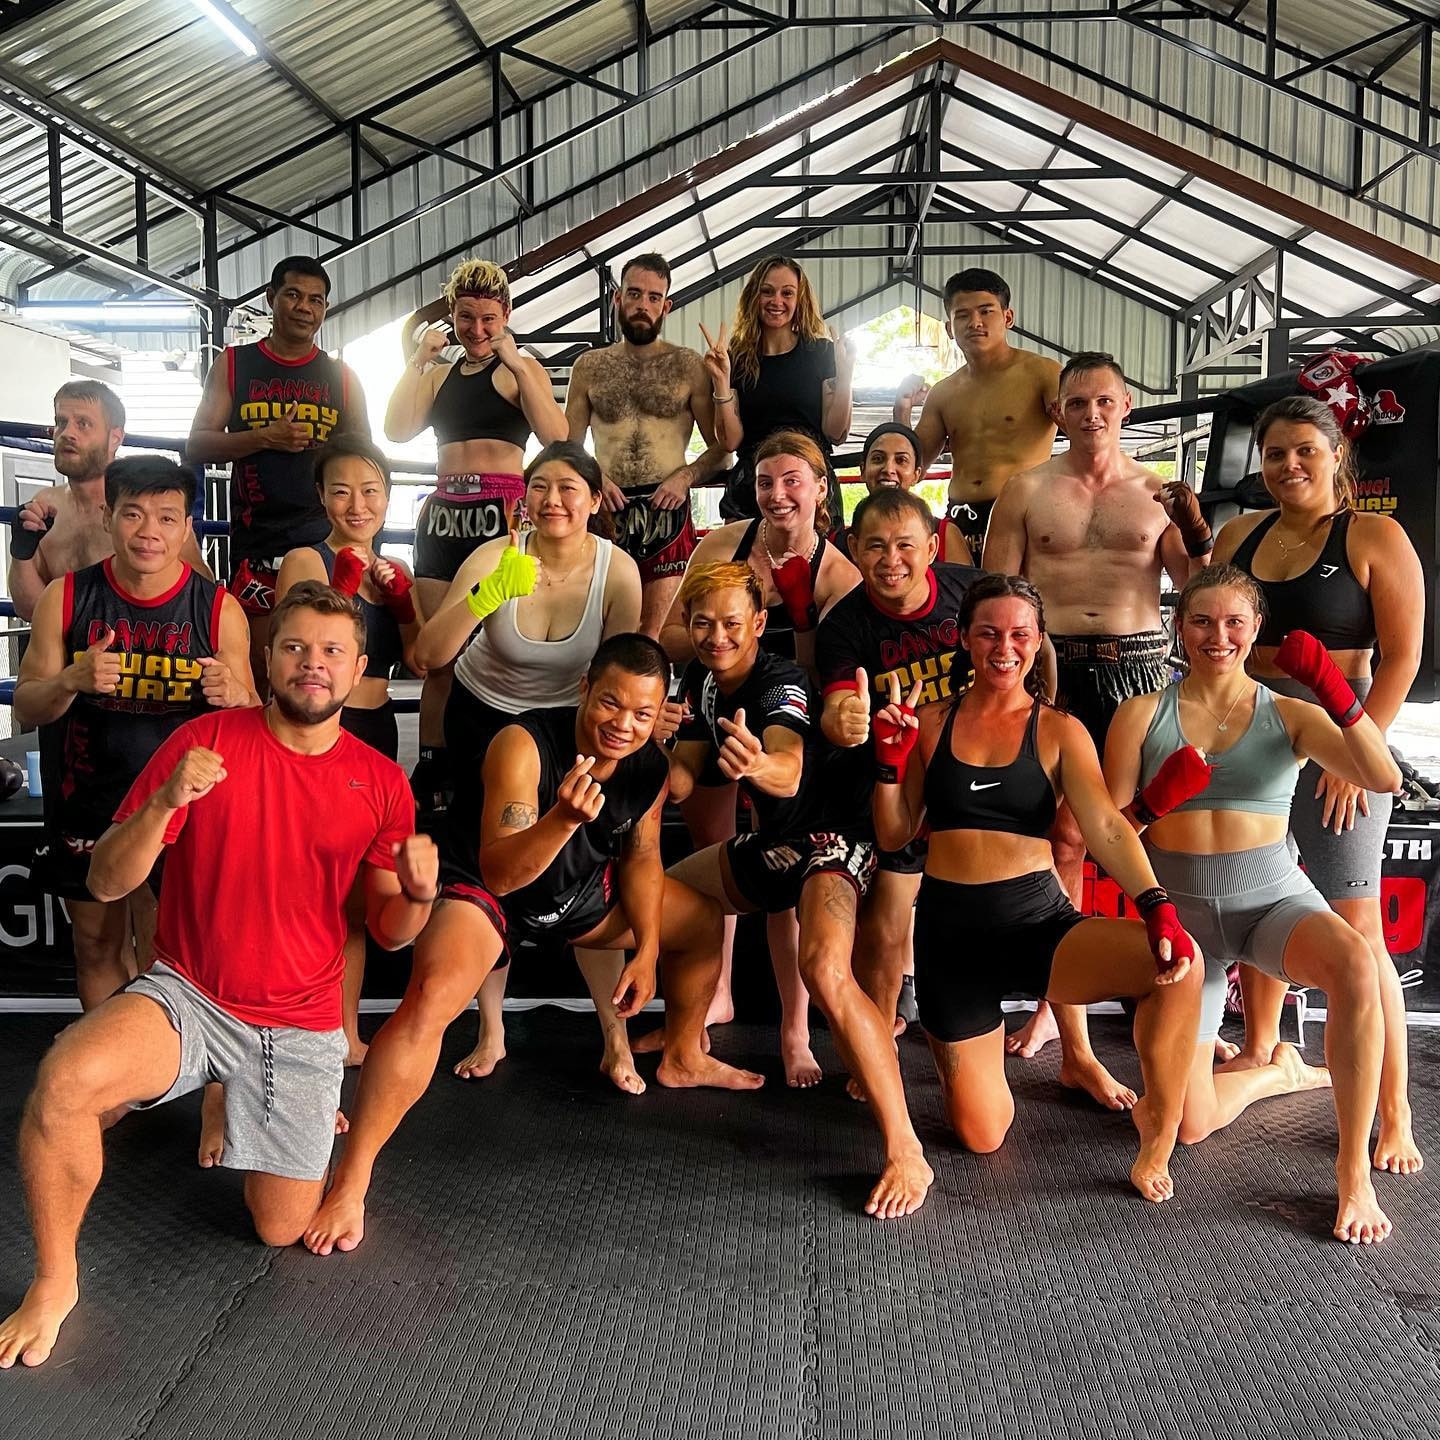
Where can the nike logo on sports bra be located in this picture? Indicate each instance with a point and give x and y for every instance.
(990, 785)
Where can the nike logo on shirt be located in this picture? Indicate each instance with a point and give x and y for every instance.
(989, 786)
(358, 785)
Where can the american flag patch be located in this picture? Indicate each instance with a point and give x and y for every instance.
(787, 700)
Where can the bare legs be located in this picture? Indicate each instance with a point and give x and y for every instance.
(1080, 1067)
(865, 1039)
(489, 1048)
(1324, 951)
(1264, 998)
(452, 957)
(1097, 960)
(601, 969)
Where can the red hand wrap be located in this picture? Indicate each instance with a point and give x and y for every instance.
(349, 572)
(1162, 922)
(1304, 658)
(797, 591)
(397, 597)
(1181, 777)
(893, 744)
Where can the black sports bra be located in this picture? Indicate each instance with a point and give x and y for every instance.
(779, 636)
(469, 407)
(1013, 799)
(1327, 599)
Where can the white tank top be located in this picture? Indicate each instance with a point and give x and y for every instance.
(508, 671)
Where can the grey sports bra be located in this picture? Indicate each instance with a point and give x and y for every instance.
(1256, 774)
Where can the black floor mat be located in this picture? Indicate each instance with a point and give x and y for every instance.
(549, 1258)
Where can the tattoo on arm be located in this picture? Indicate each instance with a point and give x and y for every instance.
(518, 817)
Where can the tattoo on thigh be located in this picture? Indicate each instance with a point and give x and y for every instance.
(518, 817)
(838, 899)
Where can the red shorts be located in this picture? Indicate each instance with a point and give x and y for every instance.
(660, 542)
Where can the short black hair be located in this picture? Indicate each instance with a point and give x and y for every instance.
(1084, 361)
(632, 653)
(299, 265)
(148, 475)
(977, 280)
(350, 444)
(655, 263)
(891, 503)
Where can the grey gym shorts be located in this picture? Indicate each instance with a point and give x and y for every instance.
(282, 1084)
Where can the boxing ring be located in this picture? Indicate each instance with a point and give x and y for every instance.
(543, 1251)
(36, 965)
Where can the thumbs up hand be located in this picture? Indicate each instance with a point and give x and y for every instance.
(97, 671)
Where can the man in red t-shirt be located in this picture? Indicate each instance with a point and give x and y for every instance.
(245, 989)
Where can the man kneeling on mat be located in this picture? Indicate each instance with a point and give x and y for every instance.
(246, 984)
(569, 849)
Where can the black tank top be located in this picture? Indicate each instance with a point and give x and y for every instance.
(469, 407)
(1327, 599)
(274, 505)
(1013, 799)
(779, 636)
(629, 794)
(383, 645)
(107, 740)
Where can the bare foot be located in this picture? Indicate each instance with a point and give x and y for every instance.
(342, 1125)
(722, 1008)
(802, 1069)
(212, 1126)
(1298, 1074)
(29, 1334)
(356, 1053)
(855, 1090)
(1150, 1174)
(1249, 1057)
(654, 1043)
(900, 1027)
(482, 1060)
(1360, 1220)
(1395, 1149)
(902, 1186)
(706, 1071)
(650, 1043)
(1225, 1051)
(1088, 1074)
(619, 1065)
(339, 1224)
(1034, 1035)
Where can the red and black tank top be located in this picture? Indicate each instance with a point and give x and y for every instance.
(106, 740)
(274, 505)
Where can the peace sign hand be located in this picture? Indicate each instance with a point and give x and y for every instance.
(716, 360)
(896, 730)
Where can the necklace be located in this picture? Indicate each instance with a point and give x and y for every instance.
(765, 545)
(548, 579)
(1222, 722)
(1293, 547)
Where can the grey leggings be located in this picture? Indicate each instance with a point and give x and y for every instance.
(1239, 906)
(1344, 866)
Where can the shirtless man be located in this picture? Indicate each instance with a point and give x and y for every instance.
(1092, 529)
(63, 528)
(640, 400)
(994, 413)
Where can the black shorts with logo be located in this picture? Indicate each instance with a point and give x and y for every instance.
(770, 874)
